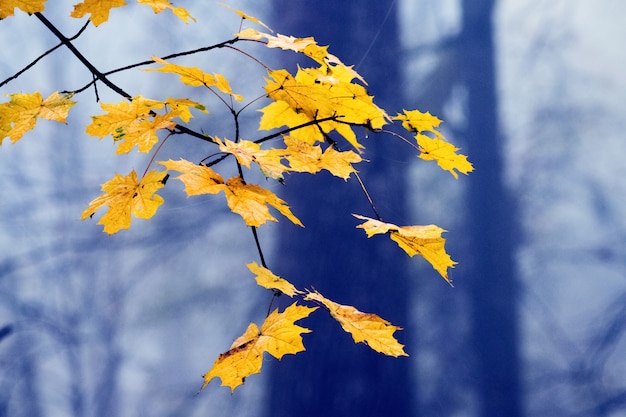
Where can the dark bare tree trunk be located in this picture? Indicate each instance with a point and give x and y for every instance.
(491, 222)
(335, 377)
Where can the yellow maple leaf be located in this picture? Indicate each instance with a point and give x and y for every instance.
(414, 240)
(159, 5)
(136, 123)
(198, 179)
(7, 7)
(267, 279)
(98, 9)
(250, 201)
(246, 152)
(195, 77)
(126, 195)
(434, 148)
(279, 336)
(20, 114)
(368, 328)
(318, 95)
(246, 16)
(304, 157)
(307, 46)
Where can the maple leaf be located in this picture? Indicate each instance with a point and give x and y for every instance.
(279, 336)
(307, 46)
(246, 16)
(20, 114)
(7, 7)
(368, 328)
(414, 240)
(98, 9)
(248, 200)
(318, 95)
(126, 195)
(251, 202)
(159, 5)
(304, 157)
(266, 279)
(245, 151)
(435, 148)
(195, 77)
(136, 123)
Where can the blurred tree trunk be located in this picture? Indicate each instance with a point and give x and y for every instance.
(335, 376)
(492, 228)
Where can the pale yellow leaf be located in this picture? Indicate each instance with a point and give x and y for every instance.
(368, 328)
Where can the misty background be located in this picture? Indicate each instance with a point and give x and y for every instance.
(95, 325)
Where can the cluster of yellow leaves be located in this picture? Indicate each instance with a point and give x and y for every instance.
(136, 123)
(435, 148)
(97, 9)
(250, 201)
(20, 114)
(279, 335)
(326, 94)
(414, 240)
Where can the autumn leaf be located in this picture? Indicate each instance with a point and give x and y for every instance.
(248, 200)
(304, 157)
(279, 336)
(198, 179)
(320, 96)
(126, 195)
(159, 5)
(136, 123)
(7, 7)
(266, 279)
(98, 9)
(251, 202)
(434, 148)
(195, 77)
(307, 46)
(20, 114)
(246, 16)
(414, 240)
(246, 152)
(368, 328)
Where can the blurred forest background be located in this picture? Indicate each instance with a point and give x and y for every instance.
(533, 91)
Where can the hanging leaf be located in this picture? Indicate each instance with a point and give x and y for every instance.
(279, 336)
(126, 196)
(366, 328)
(414, 240)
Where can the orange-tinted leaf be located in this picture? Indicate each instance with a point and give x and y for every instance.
(125, 195)
(159, 5)
(369, 328)
(98, 9)
(434, 148)
(20, 114)
(7, 7)
(279, 336)
(266, 279)
(195, 77)
(414, 240)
